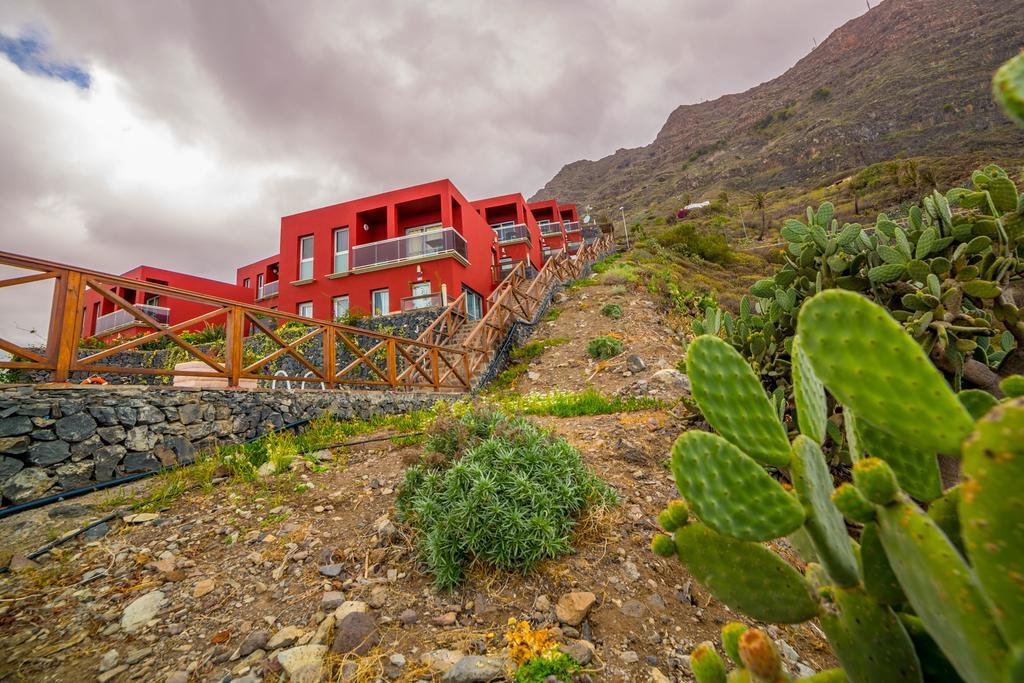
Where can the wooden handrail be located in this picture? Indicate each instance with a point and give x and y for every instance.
(381, 360)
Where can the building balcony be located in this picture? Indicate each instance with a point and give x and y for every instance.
(551, 228)
(416, 303)
(121, 319)
(572, 226)
(410, 249)
(500, 271)
(268, 290)
(512, 233)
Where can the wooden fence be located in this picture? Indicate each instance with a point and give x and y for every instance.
(349, 356)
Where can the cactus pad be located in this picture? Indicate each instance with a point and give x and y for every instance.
(746, 576)
(977, 401)
(871, 365)
(811, 410)
(730, 492)
(852, 503)
(916, 471)
(1013, 386)
(943, 591)
(827, 676)
(868, 638)
(1008, 87)
(760, 656)
(879, 580)
(663, 545)
(707, 666)
(992, 512)
(733, 401)
(875, 479)
(731, 633)
(934, 664)
(945, 512)
(824, 524)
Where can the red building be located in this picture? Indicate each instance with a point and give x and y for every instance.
(407, 249)
(549, 219)
(262, 279)
(517, 232)
(105, 320)
(571, 227)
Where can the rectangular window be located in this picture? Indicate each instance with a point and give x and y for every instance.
(245, 283)
(306, 309)
(423, 228)
(474, 304)
(259, 283)
(340, 307)
(421, 294)
(306, 257)
(381, 302)
(341, 250)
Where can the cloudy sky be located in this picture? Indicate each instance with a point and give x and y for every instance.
(176, 133)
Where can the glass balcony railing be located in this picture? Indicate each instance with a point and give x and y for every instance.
(550, 228)
(572, 226)
(512, 233)
(408, 248)
(120, 318)
(415, 303)
(268, 290)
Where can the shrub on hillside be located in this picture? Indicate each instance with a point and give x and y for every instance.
(603, 348)
(497, 490)
(685, 240)
(613, 311)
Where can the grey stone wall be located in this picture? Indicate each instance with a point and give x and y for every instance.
(54, 439)
(408, 325)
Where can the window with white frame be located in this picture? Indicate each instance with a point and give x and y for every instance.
(381, 301)
(341, 250)
(245, 283)
(340, 307)
(306, 257)
(305, 309)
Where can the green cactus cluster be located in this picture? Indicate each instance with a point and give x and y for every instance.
(934, 589)
(755, 659)
(943, 272)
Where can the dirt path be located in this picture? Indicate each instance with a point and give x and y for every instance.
(207, 582)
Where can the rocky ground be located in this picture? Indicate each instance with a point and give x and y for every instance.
(306, 577)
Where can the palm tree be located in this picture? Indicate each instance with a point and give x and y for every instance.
(760, 200)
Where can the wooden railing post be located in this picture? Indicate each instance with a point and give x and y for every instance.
(65, 323)
(329, 356)
(435, 371)
(392, 364)
(233, 343)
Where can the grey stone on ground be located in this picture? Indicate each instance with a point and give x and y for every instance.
(142, 610)
(96, 532)
(672, 380)
(635, 363)
(475, 669)
(356, 633)
(303, 664)
(573, 608)
(257, 640)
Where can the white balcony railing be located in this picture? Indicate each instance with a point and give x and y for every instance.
(572, 226)
(550, 228)
(268, 290)
(512, 233)
(415, 303)
(408, 248)
(120, 318)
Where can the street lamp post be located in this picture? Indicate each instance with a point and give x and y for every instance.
(625, 227)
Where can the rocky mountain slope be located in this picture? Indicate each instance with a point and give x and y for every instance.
(908, 78)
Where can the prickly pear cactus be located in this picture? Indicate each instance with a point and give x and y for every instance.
(926, 609)
(1008, 86)
(992, 512)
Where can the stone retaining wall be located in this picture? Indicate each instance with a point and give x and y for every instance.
(61, 438)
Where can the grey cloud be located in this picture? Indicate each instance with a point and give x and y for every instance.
(351, 98)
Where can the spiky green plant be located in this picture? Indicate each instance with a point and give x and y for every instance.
(904, 602)
(604, 347)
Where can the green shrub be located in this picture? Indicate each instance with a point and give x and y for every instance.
(528, 352)
(497, 490)
(537, 670)
(685, 240)
(613, 311)
(603, 348)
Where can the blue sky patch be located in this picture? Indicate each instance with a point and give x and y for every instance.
(29, 52)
